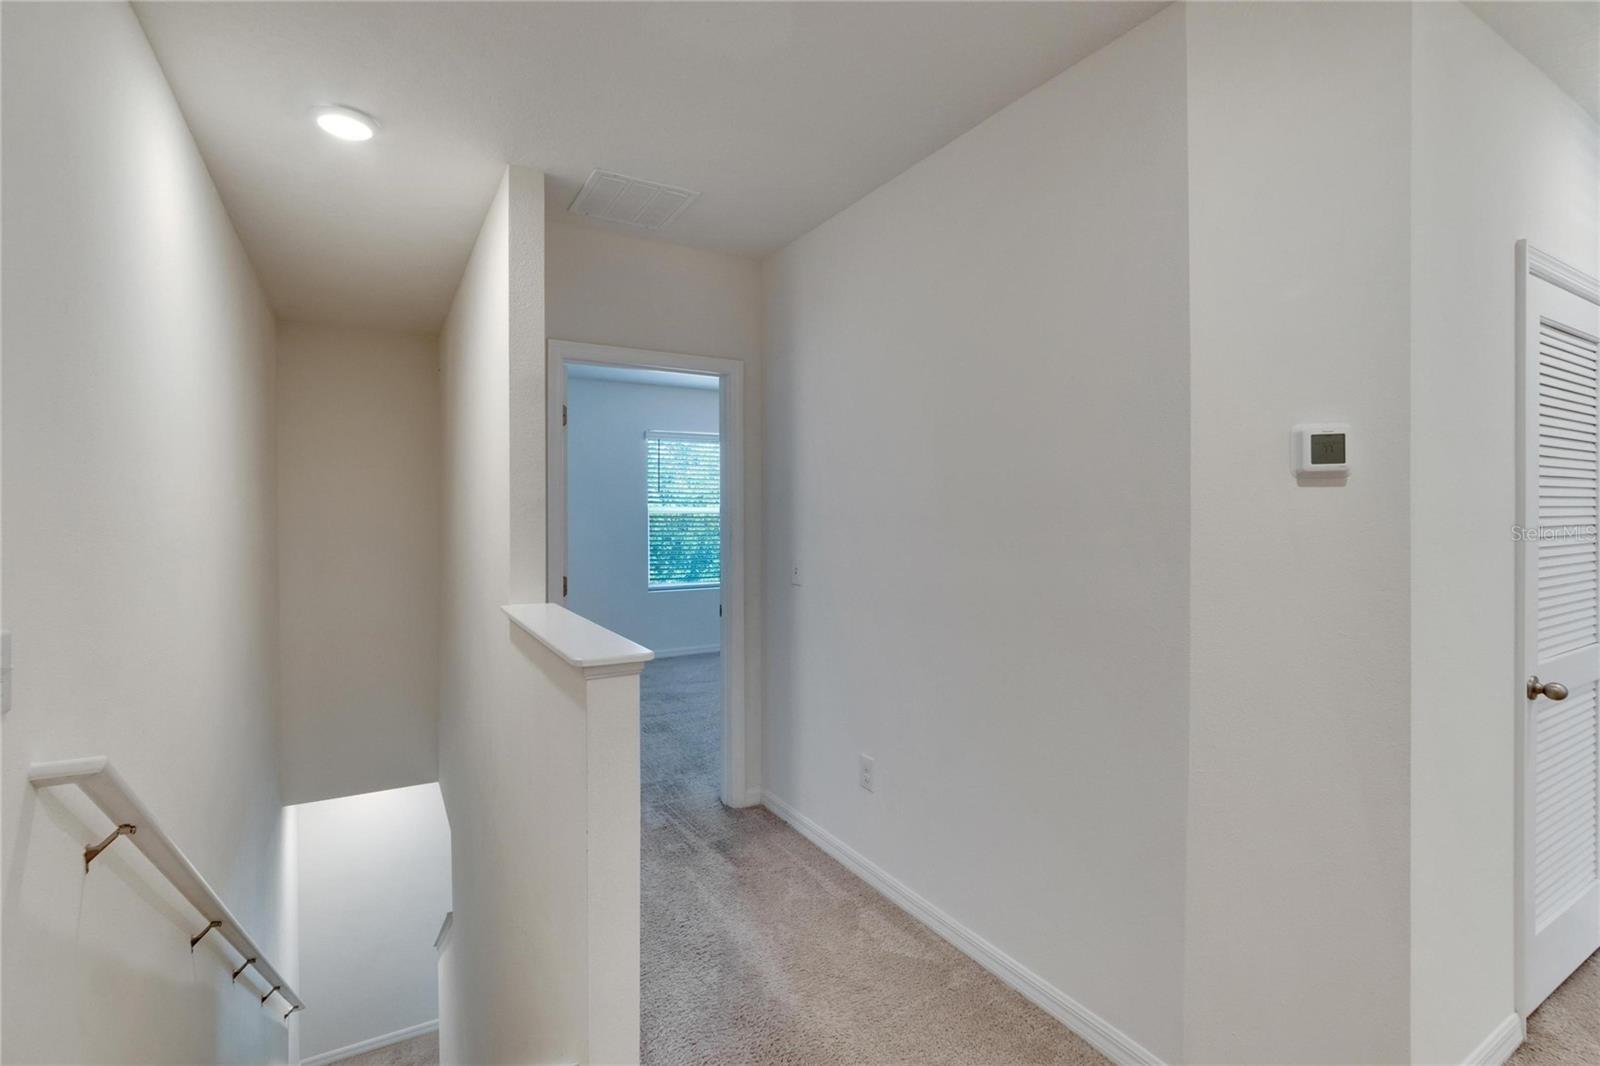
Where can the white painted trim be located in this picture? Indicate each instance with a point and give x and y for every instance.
(1106, 1038)
(1562, 275)
(736, 728)
(371, 1045)
(703, 649)
(1500, 1044)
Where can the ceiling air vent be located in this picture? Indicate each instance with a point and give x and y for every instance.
(629, 201)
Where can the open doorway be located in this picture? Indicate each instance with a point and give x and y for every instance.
(645, 538)
(644, 555)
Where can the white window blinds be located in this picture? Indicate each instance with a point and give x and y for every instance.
(683, 501)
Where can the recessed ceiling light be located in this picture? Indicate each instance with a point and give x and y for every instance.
(346, 123)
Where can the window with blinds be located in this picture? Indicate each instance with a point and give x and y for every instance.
(683, 501)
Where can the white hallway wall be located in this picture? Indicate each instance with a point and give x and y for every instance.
(358, 559)
(607, 288)
(1498, 154)
(1309, 315)
(607, 551)
(977, 456)
(138, 563)
(374, 884)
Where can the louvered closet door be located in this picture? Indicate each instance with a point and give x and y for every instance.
(1558, 738)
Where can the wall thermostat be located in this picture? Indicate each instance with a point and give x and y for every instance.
(1322, 450)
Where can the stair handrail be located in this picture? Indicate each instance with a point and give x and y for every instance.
(99, 780)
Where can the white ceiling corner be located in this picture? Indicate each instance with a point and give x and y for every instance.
(1560, 37)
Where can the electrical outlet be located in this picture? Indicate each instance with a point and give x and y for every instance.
(866, 772)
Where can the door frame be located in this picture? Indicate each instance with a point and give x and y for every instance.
(1531, 263)
(735, 787)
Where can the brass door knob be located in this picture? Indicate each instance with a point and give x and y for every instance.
(1554, 690)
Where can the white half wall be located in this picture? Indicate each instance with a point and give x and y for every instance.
(138, 564)
(977, 458)
(1498, 154)
(607, 547)
(1298, 836)
(507, 732)
(609, 288)
(358, 559)
(374, 884)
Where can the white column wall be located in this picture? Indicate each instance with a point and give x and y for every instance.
(1298, 869)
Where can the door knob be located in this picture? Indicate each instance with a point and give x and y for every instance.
(1554, 690)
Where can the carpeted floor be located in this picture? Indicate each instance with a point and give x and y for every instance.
(759, 948)
(1565, 1031)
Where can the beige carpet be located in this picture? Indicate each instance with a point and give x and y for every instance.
(1565, 1031)
(759, 948)
(418, 1051)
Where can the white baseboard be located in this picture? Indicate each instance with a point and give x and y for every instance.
(371, 1045)
(1105, 1037)
(701, 649)
(1498, 1046)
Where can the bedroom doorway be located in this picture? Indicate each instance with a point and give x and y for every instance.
(645, 538)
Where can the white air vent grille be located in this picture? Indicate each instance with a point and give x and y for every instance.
(627, 201)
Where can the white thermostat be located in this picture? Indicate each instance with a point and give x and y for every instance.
(1322, 450)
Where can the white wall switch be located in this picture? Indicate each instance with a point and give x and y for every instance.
(794, 575)
(866, 772)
